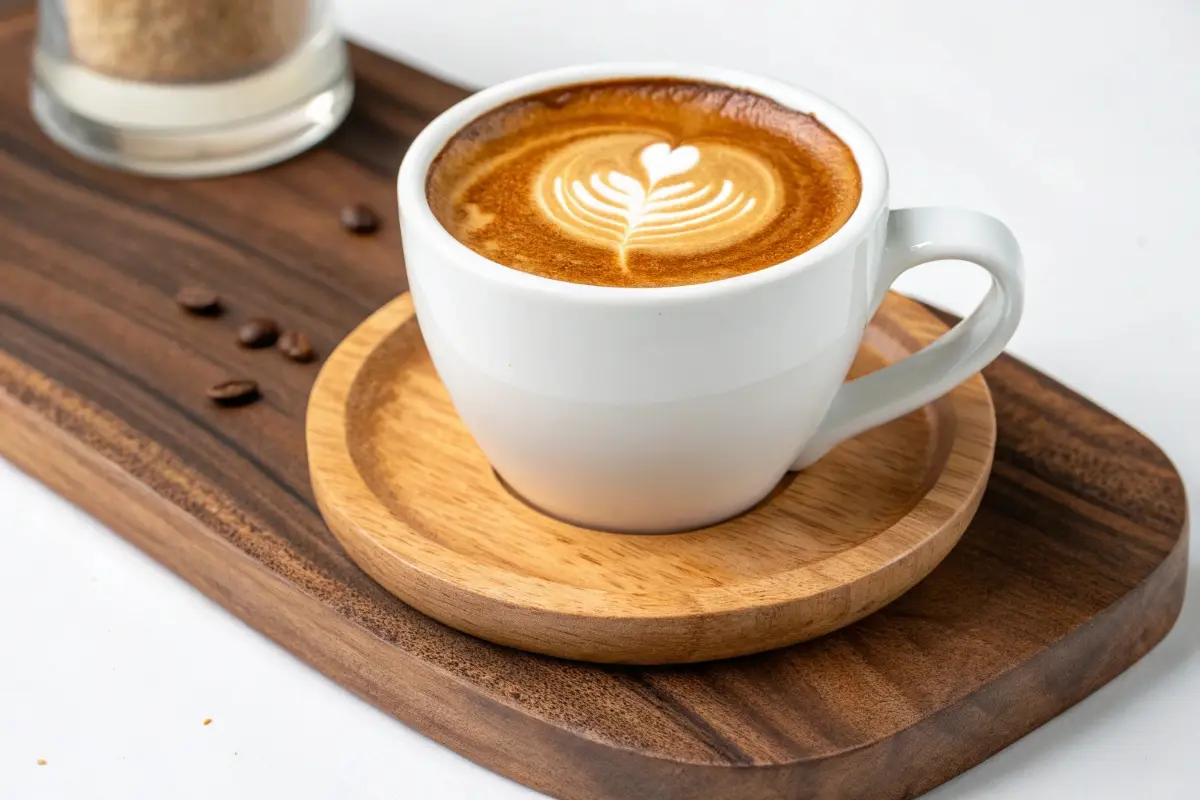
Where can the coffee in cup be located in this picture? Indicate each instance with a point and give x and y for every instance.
(643, 183)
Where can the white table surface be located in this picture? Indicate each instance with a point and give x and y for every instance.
(1076, 122)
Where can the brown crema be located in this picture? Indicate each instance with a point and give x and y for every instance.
(643, 183)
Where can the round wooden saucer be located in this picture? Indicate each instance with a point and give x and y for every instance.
(415, 503)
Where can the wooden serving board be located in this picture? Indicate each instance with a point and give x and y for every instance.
(1073, 568)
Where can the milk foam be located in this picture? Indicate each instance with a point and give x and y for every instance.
(627, 191)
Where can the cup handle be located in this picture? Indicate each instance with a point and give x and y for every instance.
(916, 236)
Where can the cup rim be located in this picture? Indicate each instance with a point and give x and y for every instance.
(418, 217)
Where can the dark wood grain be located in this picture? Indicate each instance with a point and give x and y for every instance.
(1072, 570)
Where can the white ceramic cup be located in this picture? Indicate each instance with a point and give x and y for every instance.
(664, 409)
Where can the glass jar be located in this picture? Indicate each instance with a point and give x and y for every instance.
(186, 88)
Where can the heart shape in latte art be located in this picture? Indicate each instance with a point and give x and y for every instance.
(661, 161)
(632, 191)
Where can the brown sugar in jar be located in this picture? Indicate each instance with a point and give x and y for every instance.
(183, 40)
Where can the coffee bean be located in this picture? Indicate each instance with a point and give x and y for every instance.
(296, 346)
(360, 219)
(236, 392)
(258, 332)
(198, 300)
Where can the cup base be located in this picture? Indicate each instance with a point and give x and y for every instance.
(602, 526)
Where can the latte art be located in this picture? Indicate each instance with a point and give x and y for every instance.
(626, 191)
(643, 182)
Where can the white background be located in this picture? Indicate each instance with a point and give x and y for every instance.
(1076, 122)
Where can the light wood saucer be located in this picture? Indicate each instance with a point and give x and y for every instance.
(413, 500)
